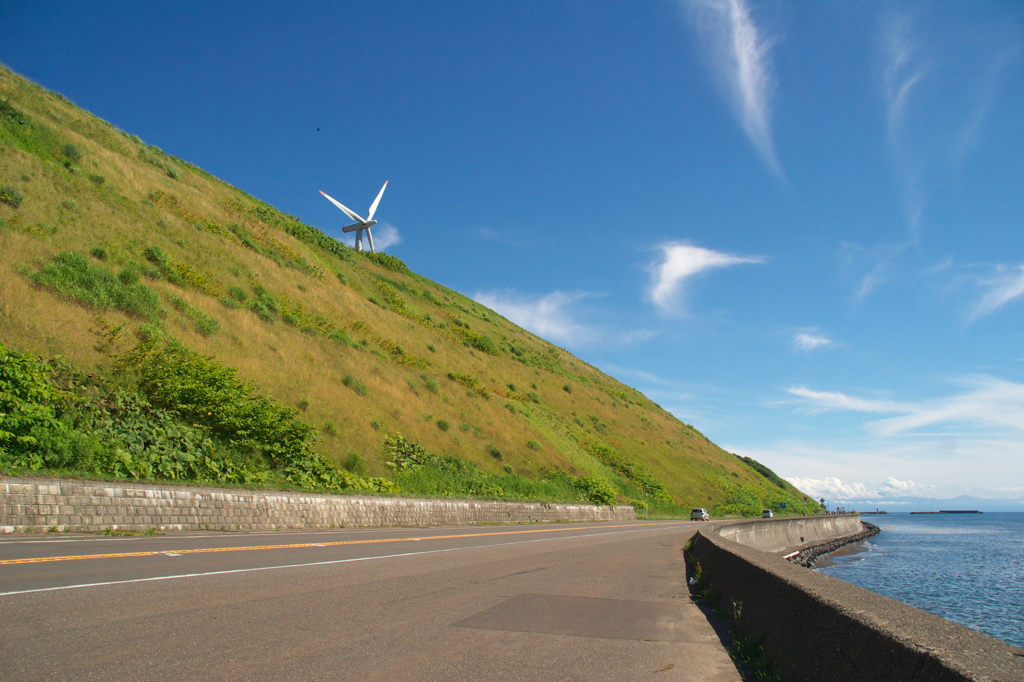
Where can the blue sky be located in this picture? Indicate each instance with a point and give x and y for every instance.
(795, 225)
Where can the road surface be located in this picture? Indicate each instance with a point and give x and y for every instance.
(599, 601)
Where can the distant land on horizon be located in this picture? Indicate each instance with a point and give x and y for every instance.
(912, 504)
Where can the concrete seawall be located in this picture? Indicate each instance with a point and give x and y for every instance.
(34, 505)
(813, 627)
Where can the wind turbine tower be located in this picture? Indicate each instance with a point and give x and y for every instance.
(362, 224)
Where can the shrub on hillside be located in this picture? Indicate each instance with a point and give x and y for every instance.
(71, 153)
(387, 261)
(11, 196)
(72, 276)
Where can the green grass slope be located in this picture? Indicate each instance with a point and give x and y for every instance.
(282, 355)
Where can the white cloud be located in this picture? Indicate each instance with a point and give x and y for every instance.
(384, 236)
(680, 262)
(833, 489)
(741, 57)
(549, 317)
(1007, 285)
(830, 488)
(892, 487)
(808, 341)
(991, 402)
(825, 401)
(902, 69)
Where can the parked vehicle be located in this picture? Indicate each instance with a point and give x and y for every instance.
(767, 514)
(700, 514)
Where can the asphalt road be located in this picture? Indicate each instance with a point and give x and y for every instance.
(602, 601)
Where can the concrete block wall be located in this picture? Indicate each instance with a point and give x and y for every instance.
(813, 627)
(42, 504)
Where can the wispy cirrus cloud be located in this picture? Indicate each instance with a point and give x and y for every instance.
(740, 55)
(830, 401)
(989, 403)
(1005, 286)
(811, 340)
(554, 317)
(549, 317)
(902, 68)
(680, 262)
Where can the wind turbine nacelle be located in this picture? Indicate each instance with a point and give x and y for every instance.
(359, 226)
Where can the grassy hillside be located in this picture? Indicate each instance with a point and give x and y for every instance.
(207, 306)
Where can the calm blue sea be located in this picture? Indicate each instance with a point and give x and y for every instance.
(968, 568)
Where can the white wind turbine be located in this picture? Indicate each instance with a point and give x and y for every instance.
(362, 224)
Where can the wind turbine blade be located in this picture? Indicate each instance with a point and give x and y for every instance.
(351, 214)
(373, 207)
(369, 236)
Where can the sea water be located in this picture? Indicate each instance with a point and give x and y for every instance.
(968, 568)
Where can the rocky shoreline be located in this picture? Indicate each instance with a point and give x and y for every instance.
(809, 556)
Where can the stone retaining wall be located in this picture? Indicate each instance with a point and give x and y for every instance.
(813, 627)
(40, 505)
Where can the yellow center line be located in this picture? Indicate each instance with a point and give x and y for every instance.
(206, 550)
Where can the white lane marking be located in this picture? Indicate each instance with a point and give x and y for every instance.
(323, 563)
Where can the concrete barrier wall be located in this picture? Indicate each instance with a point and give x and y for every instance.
(40, 505)
(813, 627)
(781, 535)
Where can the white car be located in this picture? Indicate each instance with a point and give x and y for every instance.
(700, 514)
(767, 514)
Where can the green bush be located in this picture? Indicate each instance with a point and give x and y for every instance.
(764, 471)
(72, 276)
(387, 261)
(633, 472)
(71, 153)
(28, 401)
(443, 425)
(355, 463)
(11, 196)
(354, 384)
(203, 323)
